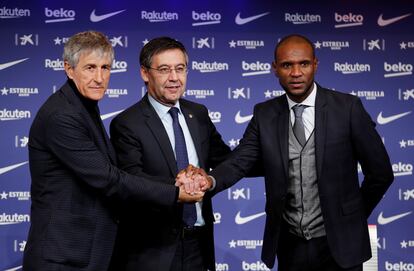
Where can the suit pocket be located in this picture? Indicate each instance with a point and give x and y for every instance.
(69, 238)
(352, 206)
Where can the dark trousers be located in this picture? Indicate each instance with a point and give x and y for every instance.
(188, 256)
(298, 254)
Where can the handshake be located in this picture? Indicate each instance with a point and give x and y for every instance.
(193, 183)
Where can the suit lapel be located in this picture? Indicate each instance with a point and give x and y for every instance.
(320, 128)
(282, 122)
(157, 128)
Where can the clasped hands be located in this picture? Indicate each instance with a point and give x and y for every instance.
(193, 183)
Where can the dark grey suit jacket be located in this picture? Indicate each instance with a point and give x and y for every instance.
(75, 189)
(344, 136)
(148, 240)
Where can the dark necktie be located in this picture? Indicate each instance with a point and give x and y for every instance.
(181, 156)
(298, 128)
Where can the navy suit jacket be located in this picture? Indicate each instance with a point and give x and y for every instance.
(76, 187)
(142, 146)
(344, 136)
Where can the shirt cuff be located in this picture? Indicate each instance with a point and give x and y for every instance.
(213, 185)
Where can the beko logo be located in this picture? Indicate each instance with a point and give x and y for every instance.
(255, 68)
(217, 218)
(400, 266)
(255, 266)
(56, 64)
(215, 116)
(348, 68)
(399, 69)
(205, 18)
(8, 219)
(209, 66)
(15, 114)
(402, 169)
(348, 20)
(12, 13)
(159, 17)
(119, 66)
(59, 15)
(296, 18)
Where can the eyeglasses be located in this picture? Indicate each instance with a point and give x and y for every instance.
(180, 70)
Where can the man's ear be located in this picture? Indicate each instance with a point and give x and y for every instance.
(144, 74)
(274, 68)
(68, 70)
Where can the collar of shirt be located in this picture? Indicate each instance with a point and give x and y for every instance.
(162, 110)
(309, 101)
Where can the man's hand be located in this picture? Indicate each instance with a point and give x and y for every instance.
(194, 180)
(183, 196)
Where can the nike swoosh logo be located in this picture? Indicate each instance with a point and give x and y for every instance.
(108, 115)
(242, 119)
(9, 168)
(243, 220)
(241, 21)
(97, 18)
(385, 120)
(385, 220)
(385, 22)
(14, 268)
(9, 64)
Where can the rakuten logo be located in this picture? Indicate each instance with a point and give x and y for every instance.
(348, 20)
(296, 18)
(157, 17)
(59, 15)
(56, 65)
(205, 18)
(399, 69)
(348, 68)
(256, 266)
(209, 66)
(14, 114)
(401, 266)
(255, 68)
(12, 13)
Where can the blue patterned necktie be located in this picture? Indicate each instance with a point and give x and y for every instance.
(181, 156)
(298, 128)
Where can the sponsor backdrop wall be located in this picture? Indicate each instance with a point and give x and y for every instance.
(365, 49)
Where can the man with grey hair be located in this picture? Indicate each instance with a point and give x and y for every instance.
(76, 186)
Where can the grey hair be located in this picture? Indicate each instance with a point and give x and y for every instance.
(88, 41)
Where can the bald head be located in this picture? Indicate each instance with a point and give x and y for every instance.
(296, 39)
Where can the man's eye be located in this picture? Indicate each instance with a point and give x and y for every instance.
(286, 65)
(164, 70)
(180, 69)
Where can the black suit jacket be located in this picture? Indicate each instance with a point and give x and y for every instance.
(148, 240)
(344, 136)
(75, 186)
